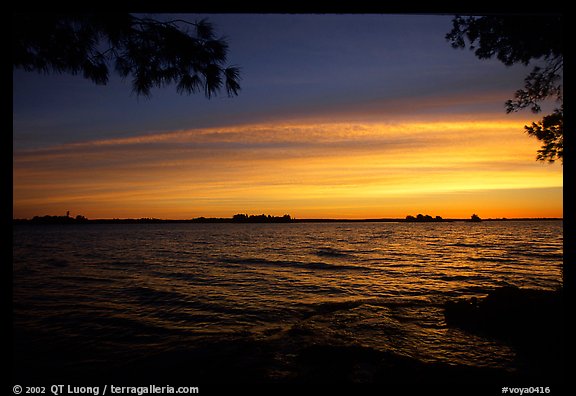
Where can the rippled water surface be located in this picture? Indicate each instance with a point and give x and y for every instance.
(132, 290)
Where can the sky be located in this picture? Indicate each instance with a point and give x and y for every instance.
(339, 116)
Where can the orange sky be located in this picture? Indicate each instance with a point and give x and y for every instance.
(311, 169)
(339, 116)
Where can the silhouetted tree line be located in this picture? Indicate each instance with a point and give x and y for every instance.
(244, 218)
(47, 219)
(423, 218)
(420, 218)
(238, 218)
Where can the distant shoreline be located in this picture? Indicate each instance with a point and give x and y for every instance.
(218, 220)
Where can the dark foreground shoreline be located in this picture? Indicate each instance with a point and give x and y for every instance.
(247, 361)
(528, 320)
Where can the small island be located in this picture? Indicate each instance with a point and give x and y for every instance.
(420, 218)
(475, 218)
(244, 218)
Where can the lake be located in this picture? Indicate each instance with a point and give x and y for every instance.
(267, 302)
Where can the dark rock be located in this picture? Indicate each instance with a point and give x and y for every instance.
(530, 321)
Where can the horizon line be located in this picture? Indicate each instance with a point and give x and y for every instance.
(292, 219)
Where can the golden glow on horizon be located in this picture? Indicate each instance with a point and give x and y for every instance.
(338, 170)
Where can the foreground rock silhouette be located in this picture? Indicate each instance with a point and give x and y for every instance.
(529, 320)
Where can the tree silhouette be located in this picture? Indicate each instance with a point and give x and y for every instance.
(523, 39)
(152, 53)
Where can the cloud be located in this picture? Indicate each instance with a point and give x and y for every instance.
(306, 164)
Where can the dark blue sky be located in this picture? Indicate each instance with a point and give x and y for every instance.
(293, 66)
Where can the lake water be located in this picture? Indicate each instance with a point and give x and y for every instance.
(257, 296)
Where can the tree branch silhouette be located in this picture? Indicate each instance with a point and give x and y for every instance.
(523, 39)
(152, 53)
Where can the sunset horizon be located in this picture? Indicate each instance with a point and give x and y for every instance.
(343, 170)
(391, 121)
(215, 202)
(229, 216)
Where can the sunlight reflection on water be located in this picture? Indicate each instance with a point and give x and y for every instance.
(135, 288)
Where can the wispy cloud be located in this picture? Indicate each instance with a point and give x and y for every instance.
(273, 164)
